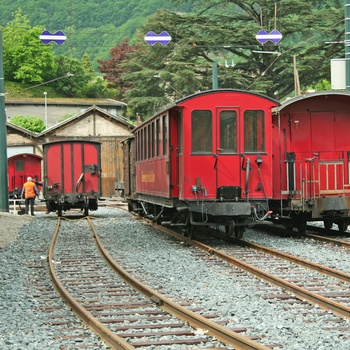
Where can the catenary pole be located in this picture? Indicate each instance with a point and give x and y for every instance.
(215, 84)
(347, 44)
(4, 202)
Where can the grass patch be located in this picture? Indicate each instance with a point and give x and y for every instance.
(18, 90)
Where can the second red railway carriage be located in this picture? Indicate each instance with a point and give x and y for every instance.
(205, 160)
(311, 160)
(72, 175)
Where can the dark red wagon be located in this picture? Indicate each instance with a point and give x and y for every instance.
(72, 175)
(311, 160)
(21, 166)
(205, 160)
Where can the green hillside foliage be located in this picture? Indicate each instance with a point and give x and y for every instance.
(91, 26)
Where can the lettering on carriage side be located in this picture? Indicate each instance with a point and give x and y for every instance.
(148, 177)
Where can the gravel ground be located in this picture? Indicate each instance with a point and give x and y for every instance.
(163, 262)
(10, 226)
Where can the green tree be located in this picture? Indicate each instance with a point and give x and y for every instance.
(26, 58)
(71, 77)
(30, 123)
(87, 65)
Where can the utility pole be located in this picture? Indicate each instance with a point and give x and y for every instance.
(347, 44)
(4, 200)
(215, 83)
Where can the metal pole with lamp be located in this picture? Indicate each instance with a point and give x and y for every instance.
(347, 44)
(4, 200)
(45, 93)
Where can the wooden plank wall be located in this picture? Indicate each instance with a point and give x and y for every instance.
(111, 164)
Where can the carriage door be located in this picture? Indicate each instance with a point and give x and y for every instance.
(227, 162)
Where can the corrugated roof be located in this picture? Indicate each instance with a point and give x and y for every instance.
(311, 95)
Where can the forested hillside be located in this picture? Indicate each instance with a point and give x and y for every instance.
(91, 26)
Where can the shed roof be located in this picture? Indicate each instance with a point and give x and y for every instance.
(21, 130)
(86, 112)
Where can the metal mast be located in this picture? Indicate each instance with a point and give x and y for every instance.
(4, 200)
(347, 44)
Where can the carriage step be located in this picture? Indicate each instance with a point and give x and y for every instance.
(181, 208)
(169, 223)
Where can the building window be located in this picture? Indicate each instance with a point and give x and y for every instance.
(254, 131)
(201, 132)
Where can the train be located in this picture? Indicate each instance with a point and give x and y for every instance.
(202, 161)
(21, 166)
(311, 160)
(229, 158)
(72, 175)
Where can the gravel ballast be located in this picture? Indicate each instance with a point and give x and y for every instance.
(163, 262)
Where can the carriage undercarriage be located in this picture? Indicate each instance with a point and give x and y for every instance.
(234, 217)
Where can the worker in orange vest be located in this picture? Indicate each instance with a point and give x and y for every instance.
(29, 192)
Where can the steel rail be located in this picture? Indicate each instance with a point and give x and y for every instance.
(221, 333)
(323, 302)
(337, 242)
(106, 334)
(342, 276)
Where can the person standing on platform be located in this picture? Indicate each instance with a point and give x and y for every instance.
(29, 192)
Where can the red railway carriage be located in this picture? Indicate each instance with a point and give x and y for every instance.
(312, 160)
(20, 166)
(72, 175)
(202, 161)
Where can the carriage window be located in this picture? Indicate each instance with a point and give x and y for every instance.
(179, 127)
(201, 131)
(158, 137)
(228, 131)
(144, 143)
(149, 137)
(254, 131)
(165, 133)
(153, 141)
(137, 145)
(19, 165)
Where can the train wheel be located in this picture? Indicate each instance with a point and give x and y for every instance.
(301, 226)
(299, 221)
(328, 223)
(59, 212)
(342, 225)
(229, 229)
(239, 230)
(86, 211)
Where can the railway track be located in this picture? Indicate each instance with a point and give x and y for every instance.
(303, 279)
(318, 284)
(123, 311)
(315, 232)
